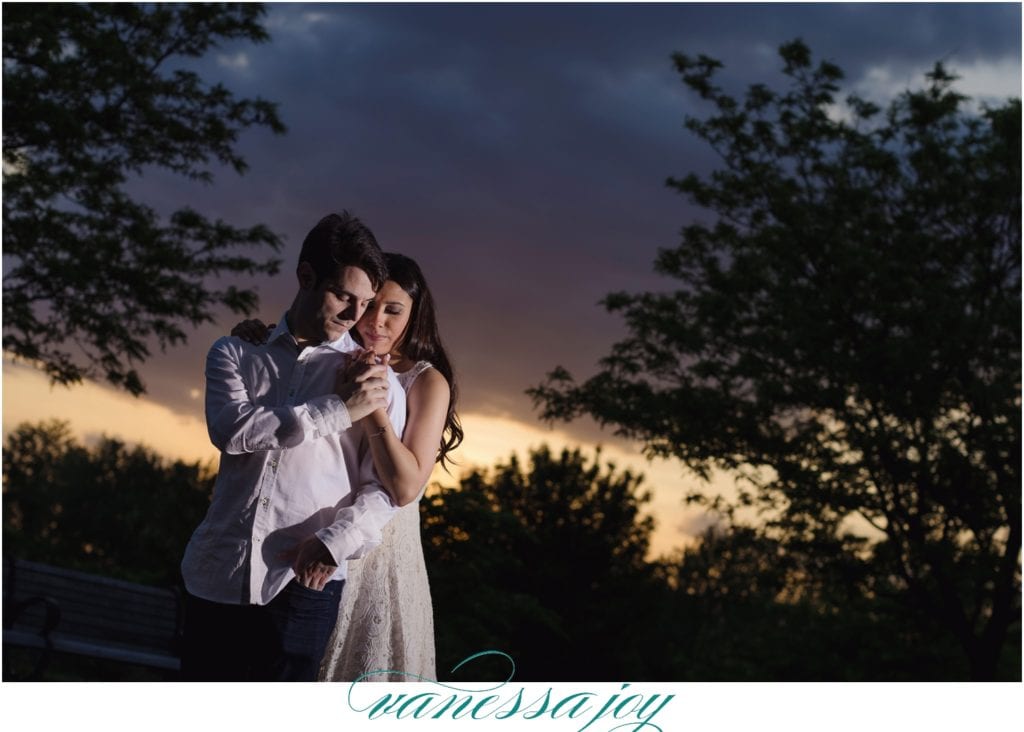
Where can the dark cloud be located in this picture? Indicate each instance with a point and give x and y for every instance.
(518, 152)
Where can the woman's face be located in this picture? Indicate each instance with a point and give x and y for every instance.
(384, 322)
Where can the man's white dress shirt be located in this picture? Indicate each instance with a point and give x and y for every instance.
(292, 465)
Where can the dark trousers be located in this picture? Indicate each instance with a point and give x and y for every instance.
(283, 640)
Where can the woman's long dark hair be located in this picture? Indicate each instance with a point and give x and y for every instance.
(422, 342)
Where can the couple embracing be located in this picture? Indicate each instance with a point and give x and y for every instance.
(327, 440)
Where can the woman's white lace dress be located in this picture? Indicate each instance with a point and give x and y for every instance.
(386, 621)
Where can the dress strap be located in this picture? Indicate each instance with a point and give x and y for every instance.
(406, 379)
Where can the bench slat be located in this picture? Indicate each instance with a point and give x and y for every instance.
(74, 587)
(85, 604)
(157, 638)
(58, 573)
(94, 650)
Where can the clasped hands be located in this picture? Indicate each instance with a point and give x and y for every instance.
(363, 384)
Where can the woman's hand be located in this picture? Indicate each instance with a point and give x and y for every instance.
(252, 331)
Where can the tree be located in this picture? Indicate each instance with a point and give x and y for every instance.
(92, 275)
(846, 334)
(747, 606)
(109, 509)
(544, 562)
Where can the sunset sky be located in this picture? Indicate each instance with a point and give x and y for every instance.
(519, 153)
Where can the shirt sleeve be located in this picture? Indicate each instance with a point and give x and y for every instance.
(357, 526)
(237, 425)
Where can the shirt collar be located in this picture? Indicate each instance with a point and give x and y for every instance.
(344, 344)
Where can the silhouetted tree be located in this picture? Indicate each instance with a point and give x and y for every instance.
(91, 98)
(544, 562)
(750, 607)
(109, 509)
(846, 334)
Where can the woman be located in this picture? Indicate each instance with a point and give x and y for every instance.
(386, 620)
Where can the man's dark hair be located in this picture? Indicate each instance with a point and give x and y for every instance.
(343, 241)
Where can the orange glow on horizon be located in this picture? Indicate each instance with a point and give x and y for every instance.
(93, 410)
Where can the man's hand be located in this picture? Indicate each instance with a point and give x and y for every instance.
(363, 385)
(361, 360)
(313, 564)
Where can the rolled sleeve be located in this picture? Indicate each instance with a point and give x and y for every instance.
(329, 415)
(357, 528)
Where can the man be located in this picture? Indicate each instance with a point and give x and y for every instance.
(296, 494)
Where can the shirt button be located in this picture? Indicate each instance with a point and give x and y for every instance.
(265, 502)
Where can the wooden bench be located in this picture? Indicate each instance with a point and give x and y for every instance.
(61, 610)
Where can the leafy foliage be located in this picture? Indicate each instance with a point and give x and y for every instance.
(545, 562)
(747, 607)
(92, 275)
(846, 334)
(108, 509)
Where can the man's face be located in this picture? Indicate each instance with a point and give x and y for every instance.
(335, 304)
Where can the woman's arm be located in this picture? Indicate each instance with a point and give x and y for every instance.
(404, 466)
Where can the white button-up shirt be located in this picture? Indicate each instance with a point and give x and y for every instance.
(292, 465)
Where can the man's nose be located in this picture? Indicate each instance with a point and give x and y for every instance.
(350, 312)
